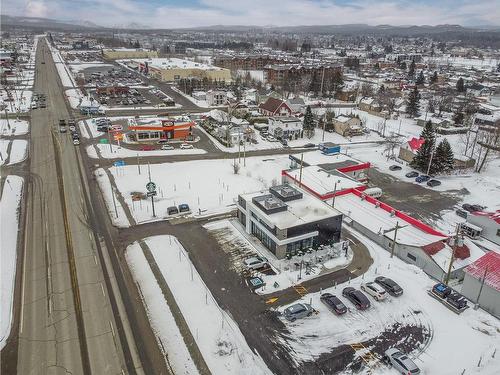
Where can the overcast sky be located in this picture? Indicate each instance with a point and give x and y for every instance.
(189, 13)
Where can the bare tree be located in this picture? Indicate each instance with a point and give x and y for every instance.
(489, 144)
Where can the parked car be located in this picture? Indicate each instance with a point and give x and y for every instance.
(167, 147)
(461, 213)
(297, 311)
(356, 297)
(472, 207)
(172, 210)
(162, 141)
(400, 362)
(441, 290)
(255, 263)
(374, 290)
(422, 178)
(309, 145)
(389, 285)
(185, 146)
(147, 148)
(433, 183)
(412, 174)
(457, 300)
(395, 167)
(333, 303)
(183, 207)
(34, 106)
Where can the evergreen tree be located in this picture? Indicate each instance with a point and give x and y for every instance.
(434, 77)
(423, 157)
(411, 69)
(460, 85)
(444, 159)
(308, 124)
(413, 103)
(420, 78)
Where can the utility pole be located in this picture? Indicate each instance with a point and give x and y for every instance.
(152, 196)
(301, 166)
(138, 164)
(334, 193)
(430, 162)
(482, 284)
(453, 250)
(244, 152)
(324, 124)
(393, 246)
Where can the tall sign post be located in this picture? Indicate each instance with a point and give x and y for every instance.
(151, 191)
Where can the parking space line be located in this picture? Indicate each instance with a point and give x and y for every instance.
(367, 356)
(300, 289)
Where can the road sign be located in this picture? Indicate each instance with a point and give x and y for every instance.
(104, 140)
(151, 193)
(150, 186)
(119, 163)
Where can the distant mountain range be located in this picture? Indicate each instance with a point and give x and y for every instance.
(53, 24)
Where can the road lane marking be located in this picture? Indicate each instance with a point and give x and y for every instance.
(102, 290)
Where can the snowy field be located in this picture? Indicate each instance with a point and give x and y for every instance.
(114, 152)
(477, 330)
(207, 186)
(231, 235)
(18, 150)
(9, 211)
(21, 100)
(78, 67)
(13, 127)
(219, 339)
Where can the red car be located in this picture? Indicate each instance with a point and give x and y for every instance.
(147, 148)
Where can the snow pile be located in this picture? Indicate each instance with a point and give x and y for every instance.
(9, 211)
(17, 153)
(217, 335)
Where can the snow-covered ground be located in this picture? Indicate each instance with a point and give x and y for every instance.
(199, 103)
(118, 217)
(21, 100)
(78, 67)
(217, 335)
(159, 313)
(13, 127)
(18, 151)
(230, 234)
(9, 211)
(475, 330)
(207, 186)
(114, 152)
(64, 73)
(77, 99)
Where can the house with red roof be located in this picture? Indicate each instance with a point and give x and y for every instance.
(482, 283)
(408, 150)
(273, 107)
(489, 222)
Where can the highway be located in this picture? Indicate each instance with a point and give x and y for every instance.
(70, 315)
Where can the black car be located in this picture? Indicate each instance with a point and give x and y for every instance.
(472, 207)
(356, 297)
(309, 145)
(333, 303)
(457, 300)
(172, 210)
(412, 174)
(433, 183)
(395, 168)
(461, 213)
(389, 285)
(184, 208)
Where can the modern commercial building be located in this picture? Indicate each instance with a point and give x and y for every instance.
(155, 129)
(128, 53)
(173, 69)
(287, 219)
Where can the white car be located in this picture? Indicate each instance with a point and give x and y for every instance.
(185, 146)
(76, 141)
(255, 263)
(270, 138)
(167, 147)
(374, 290)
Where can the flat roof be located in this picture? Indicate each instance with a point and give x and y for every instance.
(308, 209)
(378, 220)
(322, 181)
(175, 63)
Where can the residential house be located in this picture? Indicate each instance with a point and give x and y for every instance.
(275, 107)
(284, 127)
(347, 125)
(489, 222)
(216, 97)
(296, 104)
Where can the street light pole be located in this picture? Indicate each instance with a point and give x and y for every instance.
(430, 162)
(453, 250)
(394, 239)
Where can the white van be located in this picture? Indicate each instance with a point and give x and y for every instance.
(374, 192)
